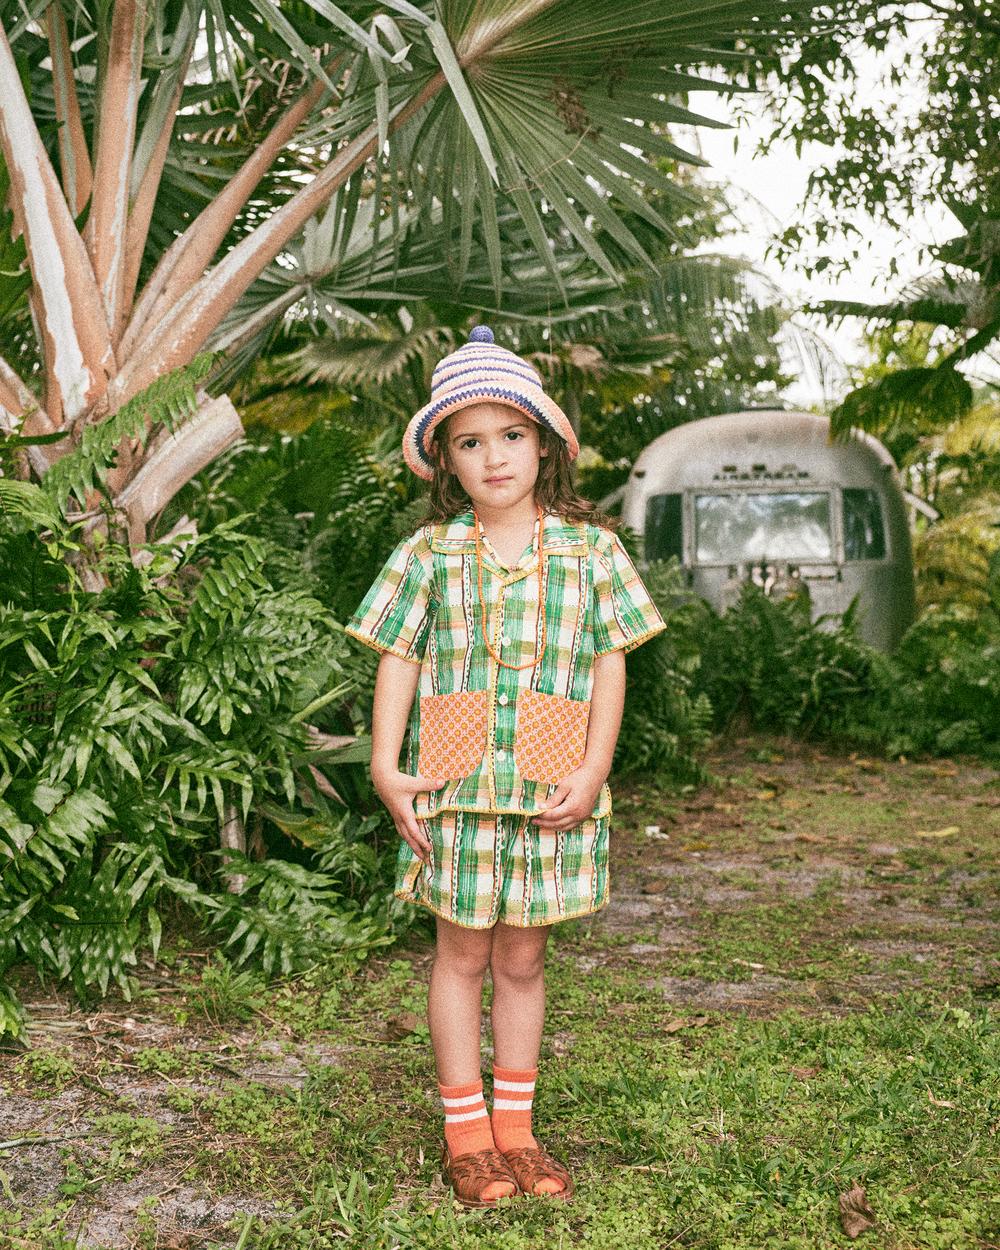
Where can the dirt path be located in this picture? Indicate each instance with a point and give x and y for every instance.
(802, 880)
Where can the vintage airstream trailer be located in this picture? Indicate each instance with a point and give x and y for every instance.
(766, 495)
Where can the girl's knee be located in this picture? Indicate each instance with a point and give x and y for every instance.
(465, 952)
(518, 955)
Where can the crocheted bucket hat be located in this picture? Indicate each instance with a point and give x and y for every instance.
(480, 370)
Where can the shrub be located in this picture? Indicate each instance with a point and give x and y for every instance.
(764, 662)
(136, 722)
(667, 720)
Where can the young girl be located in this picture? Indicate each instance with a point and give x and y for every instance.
(509, 610)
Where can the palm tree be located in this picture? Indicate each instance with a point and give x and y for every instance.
(159, 155)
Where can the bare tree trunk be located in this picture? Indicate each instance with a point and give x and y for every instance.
(233, 837)
(173, 459)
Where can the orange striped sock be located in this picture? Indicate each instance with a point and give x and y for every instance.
(467, 1128)
(513, 1094)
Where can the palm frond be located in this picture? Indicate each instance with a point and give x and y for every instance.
(371, 360)
(958, 305)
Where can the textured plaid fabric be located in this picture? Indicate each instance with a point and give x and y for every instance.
(424, 607)
(484, 868)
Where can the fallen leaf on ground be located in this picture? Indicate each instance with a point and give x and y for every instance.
(939, 1102)
(803, 1074)
(406, 1022)
(656, 886)
(856, 1216)
(675, 1026)
(764, 794)
(808, 837)
(939, 833)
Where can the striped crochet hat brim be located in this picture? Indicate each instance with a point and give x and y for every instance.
(478, 371)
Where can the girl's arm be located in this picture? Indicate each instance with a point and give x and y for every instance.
(573, 800)
(607, 703)
(395, 686)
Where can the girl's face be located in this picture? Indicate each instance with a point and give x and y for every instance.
(494, 452)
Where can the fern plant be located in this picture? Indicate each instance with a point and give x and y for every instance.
(766, 665)
(765, 662)
(166, 402)
(666, 721)
(135, 722)
(940, 690)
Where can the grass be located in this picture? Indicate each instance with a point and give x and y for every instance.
(791, 995)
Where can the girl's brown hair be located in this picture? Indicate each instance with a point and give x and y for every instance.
(554, 487)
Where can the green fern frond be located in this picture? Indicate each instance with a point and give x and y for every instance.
(204, 769)
(290, 917)
(13, 1021)
(41, 853)
(952, 557)
(168, 401)
(977, 432)
(27, 501)
(369, 360)
(102, 911)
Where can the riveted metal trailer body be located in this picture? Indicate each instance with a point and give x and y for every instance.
(766, 495)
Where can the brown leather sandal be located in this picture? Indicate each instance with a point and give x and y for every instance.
(530, 1164)
(468, 1175)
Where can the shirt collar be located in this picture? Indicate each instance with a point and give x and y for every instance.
(560, 537)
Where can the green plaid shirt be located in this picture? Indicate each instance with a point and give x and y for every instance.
(424, 607)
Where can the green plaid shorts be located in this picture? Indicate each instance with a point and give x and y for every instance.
(487, 866)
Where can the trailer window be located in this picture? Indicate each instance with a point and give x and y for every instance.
(776, 525)
(864, 537)
(663, 528)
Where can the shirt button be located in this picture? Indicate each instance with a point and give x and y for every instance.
(501, 698)
(506, 640)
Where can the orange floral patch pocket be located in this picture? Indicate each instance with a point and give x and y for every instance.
(550, 735)
(452, 733)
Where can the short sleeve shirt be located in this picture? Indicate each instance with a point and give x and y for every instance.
(503, 737)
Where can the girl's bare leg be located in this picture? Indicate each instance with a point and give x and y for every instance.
(455, 1001)
(518, 967)
(517, 963)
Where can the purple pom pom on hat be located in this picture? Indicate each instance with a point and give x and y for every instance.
(481, 370)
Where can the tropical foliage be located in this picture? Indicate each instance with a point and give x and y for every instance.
(667, 720)
(764, 665)
(950, 464)
(305, 205)
(928, 139)
(159, 156)
(695, 333)
(207, 688)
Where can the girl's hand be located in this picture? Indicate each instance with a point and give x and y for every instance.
(396, 790)
(573, 799)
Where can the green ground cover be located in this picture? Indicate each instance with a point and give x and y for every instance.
(793, 993)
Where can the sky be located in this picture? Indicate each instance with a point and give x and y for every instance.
(767, 191)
